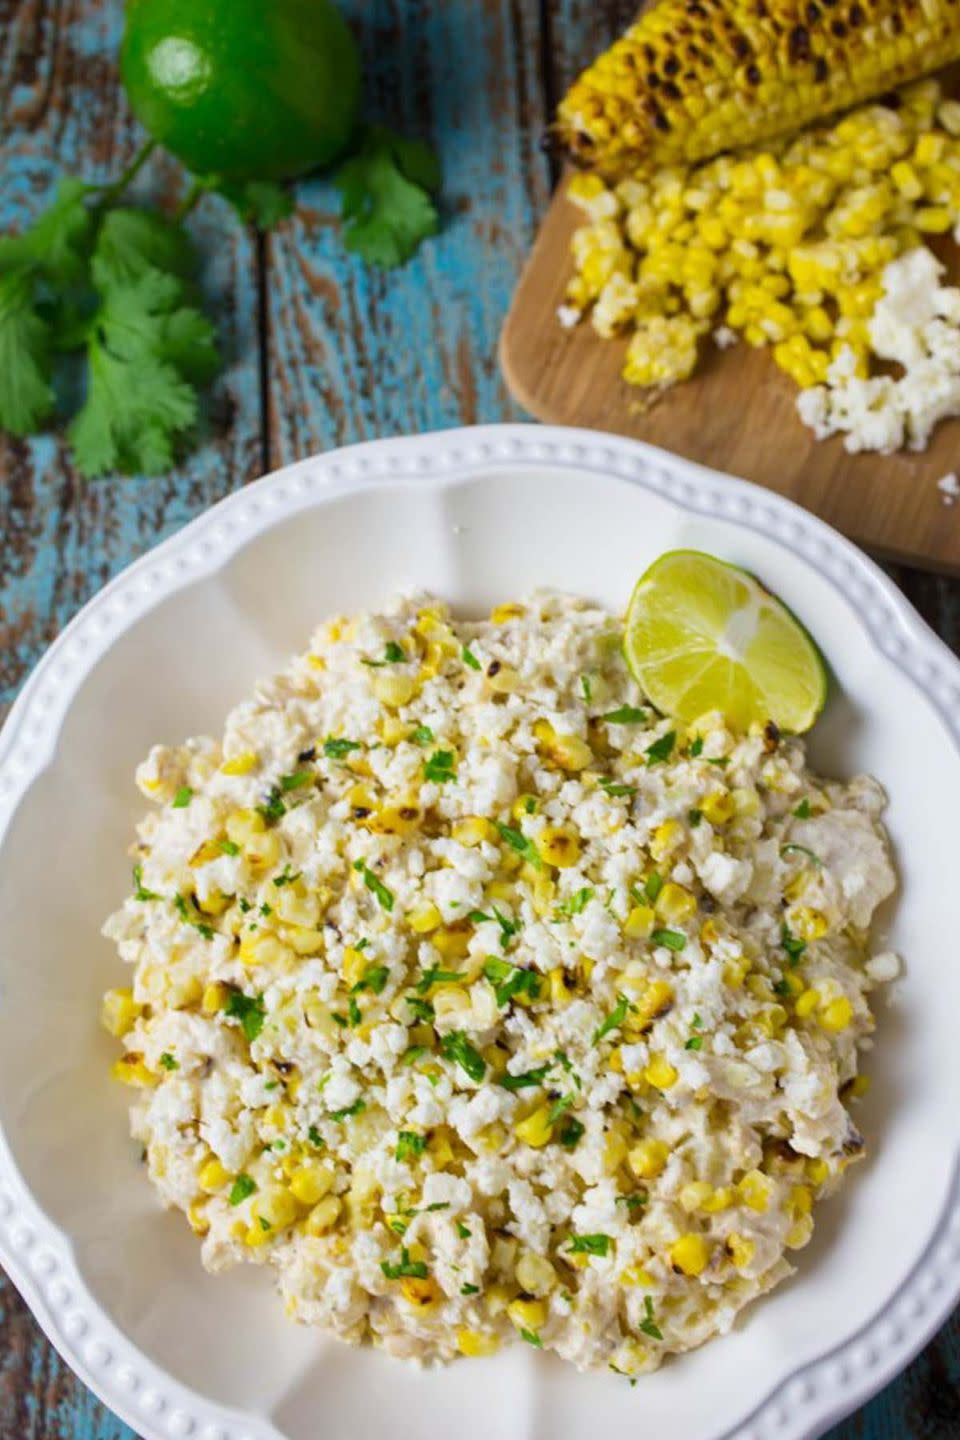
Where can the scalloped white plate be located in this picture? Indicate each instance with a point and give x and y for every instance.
(162, 653)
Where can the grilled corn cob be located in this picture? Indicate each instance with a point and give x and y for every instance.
(692, 78)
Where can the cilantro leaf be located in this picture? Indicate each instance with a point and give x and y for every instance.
(385, 190)
(439, 767)
(525, 1080)
(661, 749)
(649, 1325)
(26, 394)
(257, 202)
(457, 1047)
(409, 1143)
(405, 1266)
(249, 1010)
(56, 244)
(672, 939)
(590, 1244)
(375, 885)
(139, 893)
(243, 1187)
(613, 1021)
(132, 242)
(626, 715)
(519, 842)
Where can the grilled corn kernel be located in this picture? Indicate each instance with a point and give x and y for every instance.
(721, 1199)
(754, 1190)
(637, 1275)
(119, 1011)
(490, 1139)
(536, 1129)
(528, 1314)
(807, 1003)
(131, 1070)
(474, 830)
(422, 1294)
(837, 1015)
(660, 1073)
(475, 1343)
(741, 1249)
(424, 918)
(213, 1176)
(818, 1171)
(393, 690)
(690, 1254)
(648, 1158)
(264, 950)
(535, 1274)
(309, 1183)
(640, 922)
(304, 942)
(511, 610)
(570, 752)
(718, 807)
(562, 986)
(807, 924)
(695, 1195)
(675, 904)
(240, 764)
(275, 1206)
(665, 839)
(323, 1216)
(614, 1152)
(653, 1001)
(558, 846)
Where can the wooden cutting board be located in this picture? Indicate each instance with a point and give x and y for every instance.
(737, 414)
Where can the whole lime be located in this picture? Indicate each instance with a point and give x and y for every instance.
(250, 89)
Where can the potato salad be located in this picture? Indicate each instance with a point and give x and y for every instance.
(485, 1004)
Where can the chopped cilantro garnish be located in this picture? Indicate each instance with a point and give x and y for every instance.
(273, 808)
(337, 749)
(462, 1231)
(590, 1244)
(801, 850)
(361, 944)
(457, 1047)
(437, 1205)
(672, 939)
(168, 1062)
(266, 909)
(315, 1138)
(626, 715)
(409, 1143)
(571, 1133)
(694, 817)
(781, 988)
(525, 1079)
(721, 761)
(423, 735)
(694, 1043)
(440, 767)
(636, 1201)
(374, 979)
(652, 886)
(405, 1266)
(139, 893)
(802, 811)
(575, 905)
(531, 1338)
(559, 1107)
(696, 747)
(411, 1055)
(793, 946)
(347, 1113)
(339, 1019)
(228, 847)
(436, 976)
(285, 877)
(354, 1012)
(264, 1224)
(616, 790)
(519, 842)
(296, 780)
(586, 689)
(375, 885)
(394, 653)
(248, 1010)
(661, 749)
(183, 797)
(422, 1009)
(272, 1085)
(469, 1289)
(189, 916)
(469, 658)
(649, 1325)
(510, 980)
(241, 1189)
(613, 1021)
(245, 905)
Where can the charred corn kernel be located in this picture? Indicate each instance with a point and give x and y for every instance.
(614, 1152)
(474, 830)
(440, 1147)
(806, 923)
(215, 903)
(754, 1190)
(837, 1015)
(695, 1195)
(793, 982)
(818, 1171)
(558, 846)
(648, 1158)
(690, 1254)
(741, 1249)
(500, 614)
(637, 1275)
(424, 918)
(309, 1183)
(562, 986)
(452, 941)
(675, 904)
(536, 1129)
(131, 1070)
(450, 1002)
(528, 1314)
(665, 839)
(654, 1000)
(208, 851)
(640, 922)
(240, 764)
(197, 1217)
(323, 1216)
(353, 965)
(256, 950)
(475, 1343)
(659, 1073)
(421, 1294)
(502, 679)
(392, 690)
(119, 1011)
(807, 1003)
(263, 851)
(402, 820)
(242, 825)
(535, 1274)
(718, 807)
(213, 1176)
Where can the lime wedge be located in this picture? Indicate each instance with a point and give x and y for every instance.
(704, 635)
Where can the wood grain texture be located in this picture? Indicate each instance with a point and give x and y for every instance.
(351, 355)
(736, 413)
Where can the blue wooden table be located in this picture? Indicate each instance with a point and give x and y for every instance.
(321, 352)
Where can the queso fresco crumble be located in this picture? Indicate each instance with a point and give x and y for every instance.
(484, 1003)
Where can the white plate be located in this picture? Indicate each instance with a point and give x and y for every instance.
(162, 653)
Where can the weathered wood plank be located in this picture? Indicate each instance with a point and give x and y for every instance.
(357, 353)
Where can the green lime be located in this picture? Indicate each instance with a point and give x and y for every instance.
(704, 635)
(249, 89)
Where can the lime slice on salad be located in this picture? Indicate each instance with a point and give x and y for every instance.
(704, 635)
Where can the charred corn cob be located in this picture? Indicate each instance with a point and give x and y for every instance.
(692, 78)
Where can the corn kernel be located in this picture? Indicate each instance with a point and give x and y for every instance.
(242, 825)
(640, 922)
(837, 1015)
(474, 830)
(807, 1003)
(637, 1275)
(807, 924)
(535, 1274)
(424, 918)
(213, 1176)
(558, 846)
(799, 1233)
(131, 1070)
(500, 614)
(648, 1158)
(754, 1190)
(421, 1294)
(654, 1000)
(665, 839)
(264, 950)
(528, 1314)
(323, 1216)
(614, 1152)
(660, 1073)
(675, 904)
(309, 1183)
(695, 1195)
(536, 1129)
(718, 807)
(119, 1011)
(741, 1249)
(197, 1217)
(393, 690)
(475, 1343)
(721, 1199)
(240, 764)
(562, 986)
(690, 1254)
(818, 1171)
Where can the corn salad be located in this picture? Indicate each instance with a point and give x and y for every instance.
(784, 246)
(484, 1004)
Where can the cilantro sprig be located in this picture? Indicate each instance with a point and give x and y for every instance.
(386, 190)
